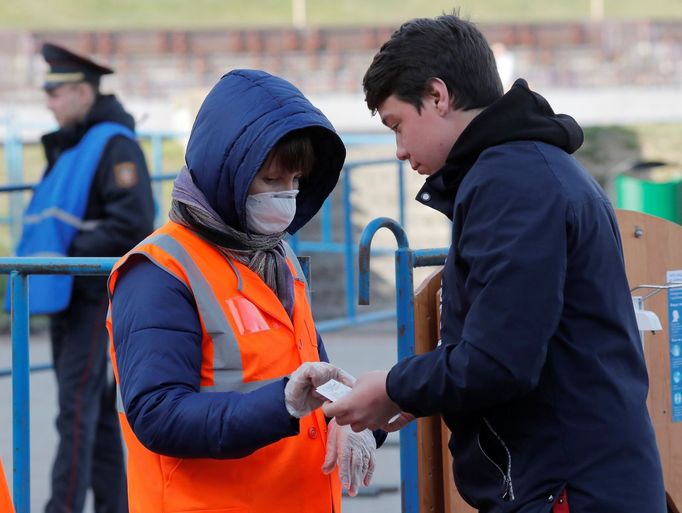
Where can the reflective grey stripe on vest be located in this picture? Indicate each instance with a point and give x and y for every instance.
(228, 373)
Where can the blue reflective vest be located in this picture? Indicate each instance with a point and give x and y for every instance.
(55, 215)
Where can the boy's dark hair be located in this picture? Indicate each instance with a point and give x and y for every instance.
(295, 152)
(446, 47)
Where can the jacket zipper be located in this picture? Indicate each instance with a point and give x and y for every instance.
(507, 485)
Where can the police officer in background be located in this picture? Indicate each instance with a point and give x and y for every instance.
(94, 200)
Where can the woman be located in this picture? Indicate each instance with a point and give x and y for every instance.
(210, 314)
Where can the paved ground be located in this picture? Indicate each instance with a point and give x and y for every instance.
(357, 350)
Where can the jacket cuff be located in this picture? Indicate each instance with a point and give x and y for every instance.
(396, 392)
(268, 400)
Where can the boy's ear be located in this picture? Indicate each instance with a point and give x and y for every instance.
(437, 92)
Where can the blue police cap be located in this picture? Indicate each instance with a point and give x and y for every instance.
(67, 67)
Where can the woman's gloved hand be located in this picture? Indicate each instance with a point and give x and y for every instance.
(300, 397)
(353, 452)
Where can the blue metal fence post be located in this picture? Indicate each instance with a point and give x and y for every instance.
(409, 466)
(404, 263)
(351, 310)
(21, 434)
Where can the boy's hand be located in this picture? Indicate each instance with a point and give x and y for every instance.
(367, 406)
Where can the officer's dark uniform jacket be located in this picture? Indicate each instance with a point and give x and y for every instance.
(540, 374)
(120, 200)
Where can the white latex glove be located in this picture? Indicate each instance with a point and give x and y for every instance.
(353, 452)
(300, 397)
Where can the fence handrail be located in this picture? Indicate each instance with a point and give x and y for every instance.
(406, 260)
(57, 265)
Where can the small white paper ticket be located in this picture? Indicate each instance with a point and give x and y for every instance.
(333, 390)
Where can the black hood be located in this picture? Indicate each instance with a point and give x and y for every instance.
(105, 108)
(519, 115)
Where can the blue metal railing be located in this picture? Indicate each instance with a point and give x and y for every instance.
(406, 260)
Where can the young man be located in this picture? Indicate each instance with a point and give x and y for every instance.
(94, 200)
(540, 375)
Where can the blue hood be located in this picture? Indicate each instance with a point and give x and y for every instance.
(240, 121)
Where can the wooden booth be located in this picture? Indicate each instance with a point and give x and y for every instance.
(652, 247)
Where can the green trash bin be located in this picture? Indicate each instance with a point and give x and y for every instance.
(655, 190)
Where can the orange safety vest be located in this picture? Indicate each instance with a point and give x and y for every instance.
(248, 340)
(5, 497)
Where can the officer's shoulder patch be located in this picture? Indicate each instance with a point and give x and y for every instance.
(125, 174)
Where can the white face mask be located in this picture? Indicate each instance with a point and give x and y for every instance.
(270, 212)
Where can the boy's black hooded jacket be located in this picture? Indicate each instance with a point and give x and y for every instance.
(540, 374)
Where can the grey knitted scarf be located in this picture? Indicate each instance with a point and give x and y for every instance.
(263, 254)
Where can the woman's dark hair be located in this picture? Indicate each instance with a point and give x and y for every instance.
(295, 152)
(446, 47)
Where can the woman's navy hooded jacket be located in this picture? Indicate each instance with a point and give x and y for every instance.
(540, 375)
(157, 333)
